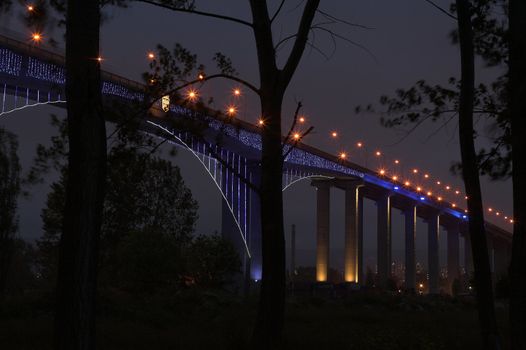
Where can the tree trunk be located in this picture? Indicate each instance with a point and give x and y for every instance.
(269, 324)
(470, 173)
(517, 69)
(77, 271)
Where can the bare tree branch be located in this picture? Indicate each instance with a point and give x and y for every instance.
(301, 41)
(336, 35)
(196, 12)
(293, 125)
(339, 20)
(295, 144)
(441, 9)
(277, 11)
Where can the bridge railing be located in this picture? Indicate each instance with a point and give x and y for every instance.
(54, 57)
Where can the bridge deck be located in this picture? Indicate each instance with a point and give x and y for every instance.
(35, 69)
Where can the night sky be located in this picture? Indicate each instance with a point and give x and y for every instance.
(409, 41)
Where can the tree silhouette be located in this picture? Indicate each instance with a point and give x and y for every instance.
(84, 196)
(424, 102)
(517, 107)
(9, 190)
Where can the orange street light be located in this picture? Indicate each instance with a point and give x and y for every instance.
(37, 37)
(231, 110)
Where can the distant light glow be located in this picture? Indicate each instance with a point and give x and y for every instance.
(37, 37)
(422, 198)
(396, 187)
(397, 161)
(464, 216)
(382, 171)
(490, 209)
(457, 192)
(378, 153)
(359, 145)
(419, 188)
(201, 76)
(439, 183)
(191, 95)
(453, 205)
(395, 178)
(334, 134)
(237, 92)
(407, 183)
(151, 55)
(415, 171)
(261, 122)
(301, 119)
(439, 198)
(30, 8)
(448, 188)
(343, 155)
(429, 193)
(426, 176)
(231, 110)
(296, 136)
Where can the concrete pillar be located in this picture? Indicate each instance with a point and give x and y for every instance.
(384, 239)
(432, 253)
(410, 253)
(353, 216)
(322, 230)
(361, 272)
(453, 256)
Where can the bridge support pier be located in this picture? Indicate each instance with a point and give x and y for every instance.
(410, 253)
(432, 253)
(353, 234)
(322, 229)
(453, 257)
(384, 239)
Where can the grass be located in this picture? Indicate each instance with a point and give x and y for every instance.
(218, 321)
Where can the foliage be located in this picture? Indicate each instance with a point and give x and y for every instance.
(9, 190)
(21, 275)
(212, 261)
(146, 198)
(438, 103)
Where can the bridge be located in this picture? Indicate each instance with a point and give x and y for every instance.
(31, 76)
